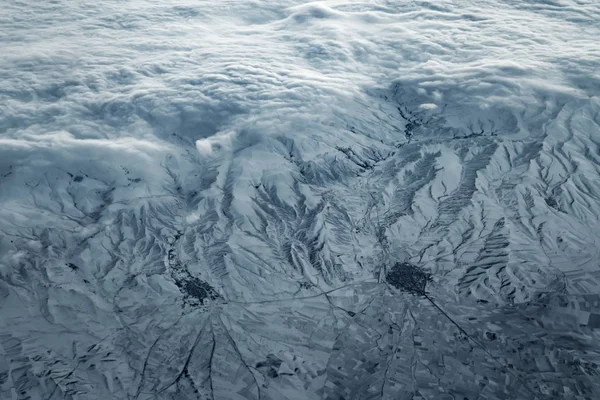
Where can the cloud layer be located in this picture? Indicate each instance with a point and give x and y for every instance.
(146, 68)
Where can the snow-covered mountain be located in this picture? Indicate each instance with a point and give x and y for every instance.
(300, 200)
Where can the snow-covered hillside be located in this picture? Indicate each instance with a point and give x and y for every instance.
(244, 199)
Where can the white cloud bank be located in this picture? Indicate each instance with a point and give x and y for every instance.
(139, 68)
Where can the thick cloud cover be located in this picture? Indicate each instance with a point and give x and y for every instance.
(285, 149)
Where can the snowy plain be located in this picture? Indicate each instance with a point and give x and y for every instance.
(204, 199)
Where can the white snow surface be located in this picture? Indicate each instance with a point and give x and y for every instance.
(203, 199)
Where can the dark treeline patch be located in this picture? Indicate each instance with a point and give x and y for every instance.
(73, 266)
(408, 278)
(196, 288)
(270, 366)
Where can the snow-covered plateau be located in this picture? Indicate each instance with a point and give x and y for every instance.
(281, 199)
